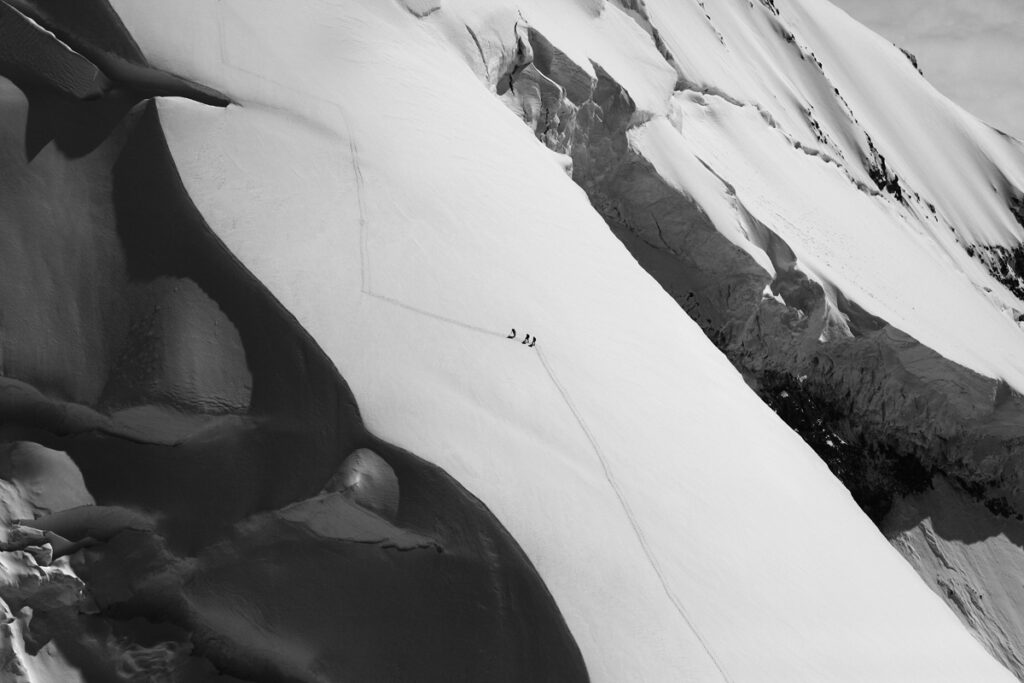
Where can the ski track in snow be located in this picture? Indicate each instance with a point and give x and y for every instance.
(613, 483)
(364, 284)
(562, 391)
(365, 278)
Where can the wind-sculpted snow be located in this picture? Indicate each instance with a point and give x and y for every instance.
(368, 481)
(92, 29)
(201, 425)
(35, 57)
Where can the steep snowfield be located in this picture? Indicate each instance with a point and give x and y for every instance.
(409, 220)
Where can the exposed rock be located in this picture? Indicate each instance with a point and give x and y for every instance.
(180, 350)
(1005, 264)
(886, 180)
(913, 60)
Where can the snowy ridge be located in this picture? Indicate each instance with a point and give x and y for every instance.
(417, 212)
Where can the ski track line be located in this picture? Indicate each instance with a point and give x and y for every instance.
(613, 483)
(435, 316)
(365, 278)
(605, 467)
(365, 288)
(364, 274)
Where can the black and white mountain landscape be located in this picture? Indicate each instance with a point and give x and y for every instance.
(502, 340)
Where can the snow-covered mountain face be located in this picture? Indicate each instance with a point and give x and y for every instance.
(849, 238)
(878, 226)
(227, 225)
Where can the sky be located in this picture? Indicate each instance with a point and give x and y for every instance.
(971, 50)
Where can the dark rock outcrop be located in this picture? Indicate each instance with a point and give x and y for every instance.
(1005, 264)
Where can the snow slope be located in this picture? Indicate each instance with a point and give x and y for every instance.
(370, 178)
(782, 106)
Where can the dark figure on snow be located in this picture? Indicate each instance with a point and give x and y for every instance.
(526, 341)
(513, 335)
(533, 343)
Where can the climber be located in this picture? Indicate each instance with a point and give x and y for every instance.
(533, 343)
(513, 335)
(526, 341)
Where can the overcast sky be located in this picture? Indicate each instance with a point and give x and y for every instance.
(971, 50)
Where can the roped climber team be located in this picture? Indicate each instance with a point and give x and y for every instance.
(529, 341)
